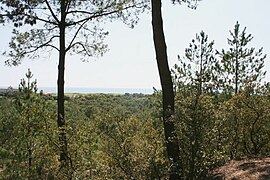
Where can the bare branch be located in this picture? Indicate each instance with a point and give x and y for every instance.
(96, 15)
(87, 12)
(46, 21)
(84, 49)
(52, 13)
(74, 37)
(79, 11)
(68, 6)
(30, 16)
(46, 44)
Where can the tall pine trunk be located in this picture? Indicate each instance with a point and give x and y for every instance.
(60, 91)
(60, 100)
(167, 89)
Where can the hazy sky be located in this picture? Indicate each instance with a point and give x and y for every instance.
(131, 63)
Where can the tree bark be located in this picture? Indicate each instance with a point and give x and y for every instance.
(167, 89)
(236, 68)
(60, 91)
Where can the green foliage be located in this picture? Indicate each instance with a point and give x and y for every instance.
(191, 3)
(113, 136)
(121, 136)
(27, 150)
(247, 125)
(109, 139)
(75, 27)
(197, 70)
(199, 135)
(132, 148)
(81, 19)
(93, 105)
(213, 125)
(241, 65)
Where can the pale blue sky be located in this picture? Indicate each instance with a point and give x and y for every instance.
(131, 63)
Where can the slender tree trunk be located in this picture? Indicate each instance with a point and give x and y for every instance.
(236, 70)
(167, 89)
(61, 108)
(236, 39)
(201, 74)
(60, 100)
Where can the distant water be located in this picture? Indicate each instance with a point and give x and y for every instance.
(98, 90)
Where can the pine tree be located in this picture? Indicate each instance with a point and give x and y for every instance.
(240, 64)
(197, 69)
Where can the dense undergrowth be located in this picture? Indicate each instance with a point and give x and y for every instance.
(121, 136)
